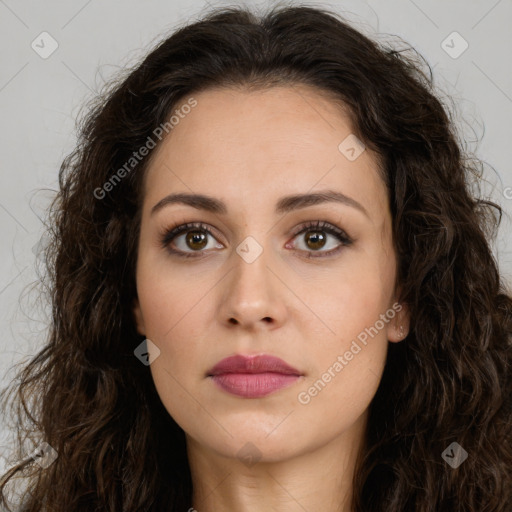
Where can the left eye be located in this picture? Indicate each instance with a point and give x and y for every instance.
(315, 239)
(196, 234)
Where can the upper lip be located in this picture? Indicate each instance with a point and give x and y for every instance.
(253, 364)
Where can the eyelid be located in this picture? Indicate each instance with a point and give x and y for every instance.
(170, 233)
(341, 235)
(321, 225)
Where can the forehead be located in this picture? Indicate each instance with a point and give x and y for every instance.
(250, 146)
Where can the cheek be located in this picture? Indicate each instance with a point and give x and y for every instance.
(172, 319)
(167, 298)
(346, 369)
(349, 346)
(350, 301)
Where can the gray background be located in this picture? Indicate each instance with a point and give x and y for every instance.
(40, 99)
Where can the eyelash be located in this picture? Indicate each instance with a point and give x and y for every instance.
(170, 233)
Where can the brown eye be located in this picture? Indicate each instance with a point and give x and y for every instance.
(189, 240)
(319, 235)
(315, 239)
(196, 240)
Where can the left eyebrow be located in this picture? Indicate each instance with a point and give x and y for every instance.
(284, 205)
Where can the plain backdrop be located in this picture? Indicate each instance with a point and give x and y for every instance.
(467, 44)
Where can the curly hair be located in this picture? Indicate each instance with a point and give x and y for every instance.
(449, 381)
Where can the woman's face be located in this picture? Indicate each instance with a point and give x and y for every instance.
(255, 285)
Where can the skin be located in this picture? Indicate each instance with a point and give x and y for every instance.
(249, 149)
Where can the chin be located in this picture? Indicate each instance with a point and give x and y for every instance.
(250, 444)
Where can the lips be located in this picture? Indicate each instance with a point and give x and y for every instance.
(253, 364)
(253, 376)
(252, 385)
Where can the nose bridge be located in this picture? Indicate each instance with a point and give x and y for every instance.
(251, 294)
(251, 259)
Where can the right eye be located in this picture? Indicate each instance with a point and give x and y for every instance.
(195, 234)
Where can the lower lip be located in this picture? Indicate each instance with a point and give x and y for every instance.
(253, 385)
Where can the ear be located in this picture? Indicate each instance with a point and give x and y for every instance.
(139, 320)
(398, 328)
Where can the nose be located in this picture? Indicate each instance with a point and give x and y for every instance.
(253, 295)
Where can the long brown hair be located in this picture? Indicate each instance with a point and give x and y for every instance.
(94, 402)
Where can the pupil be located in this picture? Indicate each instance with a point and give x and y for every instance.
(194, 237)
(317, 239)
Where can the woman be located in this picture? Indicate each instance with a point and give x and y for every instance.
(272, 288)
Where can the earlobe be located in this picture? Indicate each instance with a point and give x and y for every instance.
(399, 326)
(139, 320)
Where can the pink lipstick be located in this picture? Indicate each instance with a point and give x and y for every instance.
(253, 376)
